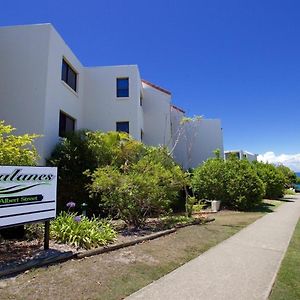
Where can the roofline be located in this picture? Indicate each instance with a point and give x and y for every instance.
(177, 108)
(157, 87)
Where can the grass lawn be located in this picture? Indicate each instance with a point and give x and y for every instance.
(117, 274)
(287, 284)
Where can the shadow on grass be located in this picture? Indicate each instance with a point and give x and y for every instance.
(263, 208)
(286, 199)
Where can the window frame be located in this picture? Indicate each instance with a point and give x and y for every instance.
(62, 133)
(122, 122)
(65, 75)
(122, 89)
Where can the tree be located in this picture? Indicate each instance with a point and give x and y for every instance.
(290, 176)
(273, 179)
(17, 149)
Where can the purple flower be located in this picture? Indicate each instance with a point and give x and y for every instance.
(71, 204)
(77, 219)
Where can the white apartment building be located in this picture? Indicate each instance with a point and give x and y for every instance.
(45, 89)
(241, 154)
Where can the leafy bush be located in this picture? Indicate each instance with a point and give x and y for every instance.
(84, 150)
(80, 231)
(243, 188)
(17, 149)
(273, 179)
(289, 175)
(144, 188)
(208, 180)
(233, 181)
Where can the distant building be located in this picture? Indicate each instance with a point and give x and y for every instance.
(241, 154)
(45, 89)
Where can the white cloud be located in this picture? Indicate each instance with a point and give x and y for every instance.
(290, 160)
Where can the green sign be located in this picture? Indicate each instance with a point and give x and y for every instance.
(20, 199)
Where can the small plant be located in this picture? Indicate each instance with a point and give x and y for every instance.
(80, 231)
(34, 231)
(190, 202)
(171, 221)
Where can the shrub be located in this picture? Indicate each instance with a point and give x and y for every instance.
(72, 156)
(84, 150)
(243, 188)
(17, 149)
(233, 181)
(80, 231)
(141, 189)
(272, 178)
(289, 175)
(207, 181)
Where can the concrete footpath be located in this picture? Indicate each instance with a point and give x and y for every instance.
(240, 268)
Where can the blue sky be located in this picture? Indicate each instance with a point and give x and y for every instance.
(237, 60)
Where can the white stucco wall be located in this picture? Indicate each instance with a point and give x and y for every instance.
(179, 139)
(59, 96)
(23, 72)
(197, 140)
(102, 108)
(204, 137)
(157, 122)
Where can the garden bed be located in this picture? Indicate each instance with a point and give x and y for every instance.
(20, 255)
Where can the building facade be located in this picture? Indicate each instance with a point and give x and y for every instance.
(45, 89)
(241, 154)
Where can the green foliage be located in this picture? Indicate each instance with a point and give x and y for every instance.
(190, 202)
(273, 179)
(84, 151)
(208, 180)
(144, 188)
(81, 232)
(233, 181)
(34, 231)
(298, 180)
(172, 221)
(289, 192)
(17, 149)
(243, 188)
(289, 175)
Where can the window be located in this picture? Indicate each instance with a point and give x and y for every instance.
(122, 87)
(142, 135)
(122, 127)
(66, 124)
(68, 75)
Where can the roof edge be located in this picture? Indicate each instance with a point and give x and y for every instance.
(157, 87)
(177, 108)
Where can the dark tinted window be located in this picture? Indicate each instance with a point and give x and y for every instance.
(122, 87)
(66, 124)
(122, 126)
(68, 75)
